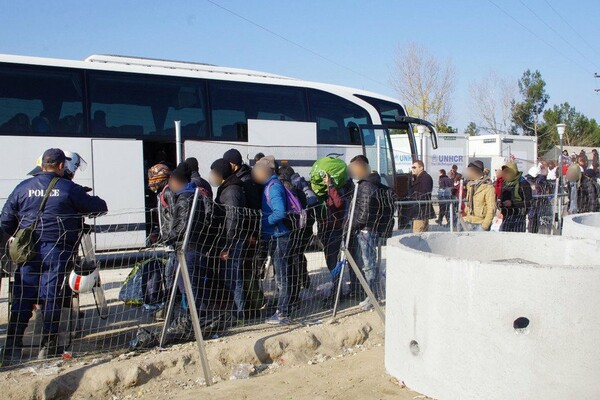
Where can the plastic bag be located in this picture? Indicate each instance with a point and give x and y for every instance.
(335, 167)
(131, 292)
(144, 339)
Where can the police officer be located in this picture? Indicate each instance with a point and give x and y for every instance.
(40, 281)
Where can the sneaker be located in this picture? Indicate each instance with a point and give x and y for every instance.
(50, 348)
(181, 328)
(160, 315)
(153, 307)
(365, 305)
(278, 319)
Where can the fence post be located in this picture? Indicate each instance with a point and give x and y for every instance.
(365, 285)
(189, 292)
(452, 216)
(556, 212)
(170, 306)
(183, 271)
(343, 261)
(178, 147)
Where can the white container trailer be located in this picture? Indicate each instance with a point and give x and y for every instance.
(496, 150)
(453, 149)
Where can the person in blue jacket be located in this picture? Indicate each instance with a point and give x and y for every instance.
(275, 233)
(40, 281)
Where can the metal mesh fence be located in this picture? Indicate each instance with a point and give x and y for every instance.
(67, 299)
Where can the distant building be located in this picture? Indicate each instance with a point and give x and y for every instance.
(496, 150)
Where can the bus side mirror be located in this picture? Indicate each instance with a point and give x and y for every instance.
(419, 121)
(434, 138)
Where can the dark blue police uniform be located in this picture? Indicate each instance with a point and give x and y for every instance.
(40, 281)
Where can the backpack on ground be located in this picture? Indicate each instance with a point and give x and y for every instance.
(144, 284)
(296, 214)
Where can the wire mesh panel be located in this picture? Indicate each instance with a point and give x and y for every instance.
(69, 299)
(114, 301)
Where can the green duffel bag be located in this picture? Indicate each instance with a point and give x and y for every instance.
(335, 167)
(22, 247)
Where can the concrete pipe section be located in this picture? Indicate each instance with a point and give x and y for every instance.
(494, 315)
(585, 226)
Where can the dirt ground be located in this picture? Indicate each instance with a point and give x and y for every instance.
(361, 376)
(342, 358)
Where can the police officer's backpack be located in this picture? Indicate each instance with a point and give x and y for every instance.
(22, 247)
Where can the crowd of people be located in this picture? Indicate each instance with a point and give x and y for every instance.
(267, 211)
(229, 227)
(520, 202)
(224, 227)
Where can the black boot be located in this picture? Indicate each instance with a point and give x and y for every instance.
(49, 347)
(11, 352)
(181, 329)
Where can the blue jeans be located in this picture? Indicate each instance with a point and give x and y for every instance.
(279, 252)
(198, 272)
(332, 243)
(170, 268)
(234, 277)
(364, 253)
(40, 281)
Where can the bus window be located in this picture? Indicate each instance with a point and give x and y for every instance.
(337, 119)
(38, 100)
(387, 110)
(234, 103)
(134, 106)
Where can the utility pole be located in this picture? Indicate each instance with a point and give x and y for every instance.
(596, 75)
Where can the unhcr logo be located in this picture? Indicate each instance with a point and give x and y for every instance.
(403, 158)
(447, 159)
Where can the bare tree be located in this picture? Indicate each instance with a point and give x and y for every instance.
(424, 84)
(491, 102)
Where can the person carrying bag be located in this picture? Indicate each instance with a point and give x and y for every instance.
(22, 247)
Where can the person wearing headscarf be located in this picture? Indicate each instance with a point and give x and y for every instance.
(158, 179)
(515, 199)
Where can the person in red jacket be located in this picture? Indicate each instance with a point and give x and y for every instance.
(498, 183)
(333, 225)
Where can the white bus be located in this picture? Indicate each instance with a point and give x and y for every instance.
(119, 112)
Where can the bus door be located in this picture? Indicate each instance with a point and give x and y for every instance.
(118, 177)
(377, 147)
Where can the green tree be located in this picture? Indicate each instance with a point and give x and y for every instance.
(472, 129)
(526, 113)
(579, 131)
(425, 83)
(443, 128)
